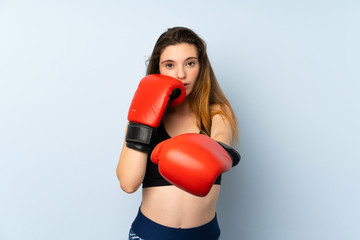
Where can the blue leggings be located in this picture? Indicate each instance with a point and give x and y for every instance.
(145, 229)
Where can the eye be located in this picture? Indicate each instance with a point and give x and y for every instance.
(169, 65)
(191, 64)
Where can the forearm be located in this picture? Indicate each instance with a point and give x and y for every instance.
(131, 169)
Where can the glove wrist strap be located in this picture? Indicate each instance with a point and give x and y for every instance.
(140, 137)
(234, 155)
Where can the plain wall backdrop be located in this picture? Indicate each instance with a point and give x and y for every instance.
(68, 71)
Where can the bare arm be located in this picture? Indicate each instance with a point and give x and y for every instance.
(131, 168)
(221, 129)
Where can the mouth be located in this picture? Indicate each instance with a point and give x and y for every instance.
(186, 84)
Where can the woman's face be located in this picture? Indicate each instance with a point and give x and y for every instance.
(181, 61)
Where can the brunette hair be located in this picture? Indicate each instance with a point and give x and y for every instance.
(207, 90)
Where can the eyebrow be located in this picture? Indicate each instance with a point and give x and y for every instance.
(169, 60)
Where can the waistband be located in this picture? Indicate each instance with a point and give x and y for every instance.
(150, 230)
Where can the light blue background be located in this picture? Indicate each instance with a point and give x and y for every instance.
(68, 70)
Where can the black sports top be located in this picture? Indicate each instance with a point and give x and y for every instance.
(152, 176)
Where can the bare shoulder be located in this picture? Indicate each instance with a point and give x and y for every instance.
(221, 129)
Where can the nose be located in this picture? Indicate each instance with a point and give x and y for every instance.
(180, 73)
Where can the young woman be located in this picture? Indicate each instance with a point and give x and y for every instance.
(169, 211)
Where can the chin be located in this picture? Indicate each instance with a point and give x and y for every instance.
(188, 92)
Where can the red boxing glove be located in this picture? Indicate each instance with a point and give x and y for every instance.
(154, 93)
(191, 162)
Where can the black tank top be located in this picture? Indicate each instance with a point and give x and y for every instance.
(152, 176)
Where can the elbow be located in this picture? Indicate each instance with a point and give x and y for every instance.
(129, 188)
(129, 182)
(125, 185)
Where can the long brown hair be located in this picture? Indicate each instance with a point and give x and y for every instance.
(207, 90)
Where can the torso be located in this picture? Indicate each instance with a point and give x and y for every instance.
(171, 206)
